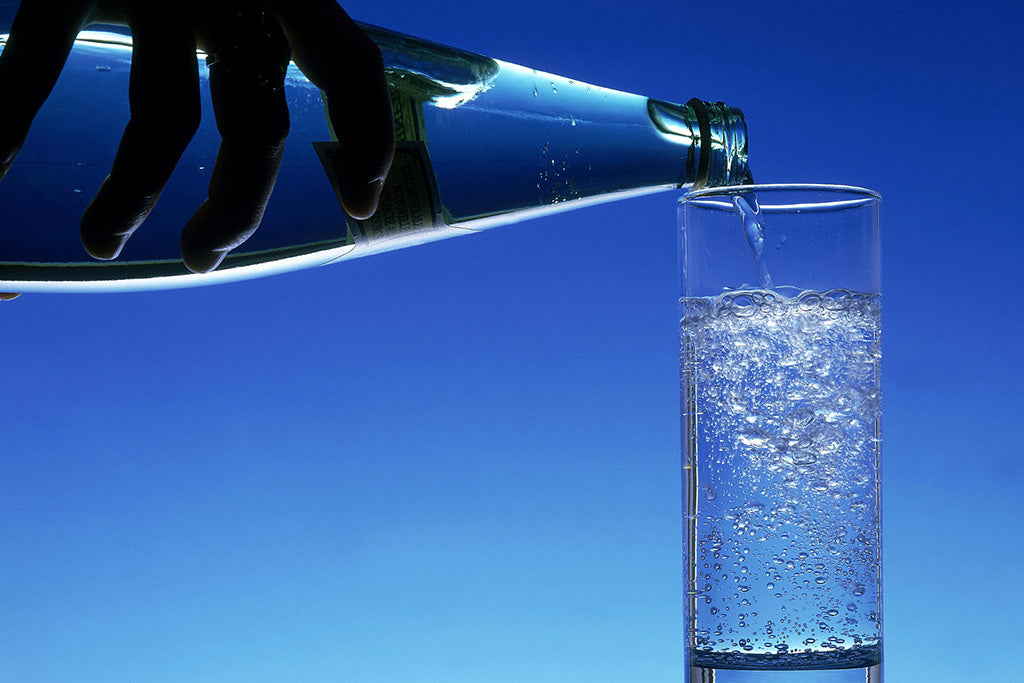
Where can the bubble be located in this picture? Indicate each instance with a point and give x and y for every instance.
(858, 590)
(801, 418)
(838, 300)
(809, 301)
(804, 458)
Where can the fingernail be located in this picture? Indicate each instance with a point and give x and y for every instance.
(361, 203)
(104, 247)
(204, 262)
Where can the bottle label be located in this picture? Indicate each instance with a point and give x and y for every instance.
(408, 116)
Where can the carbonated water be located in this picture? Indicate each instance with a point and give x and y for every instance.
(781, 440)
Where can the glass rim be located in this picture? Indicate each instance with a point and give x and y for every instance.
(717, 197)
(777, 187)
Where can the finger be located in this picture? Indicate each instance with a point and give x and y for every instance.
(249, 60)
(163, 93)
(335, 54)
(41, 39)
(7, 296)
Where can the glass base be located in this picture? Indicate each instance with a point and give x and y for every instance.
(854, 665)
(870, 674)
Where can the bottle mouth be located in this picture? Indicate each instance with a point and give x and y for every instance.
(723, 149)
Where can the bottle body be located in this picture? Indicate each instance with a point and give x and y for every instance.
(480, 143)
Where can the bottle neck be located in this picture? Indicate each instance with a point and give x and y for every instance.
(717, 136)
(723, 145)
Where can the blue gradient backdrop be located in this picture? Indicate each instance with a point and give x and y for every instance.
(460, 462)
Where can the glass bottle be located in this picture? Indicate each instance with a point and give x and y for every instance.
(480, 143)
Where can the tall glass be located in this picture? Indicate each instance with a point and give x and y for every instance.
(780, 355)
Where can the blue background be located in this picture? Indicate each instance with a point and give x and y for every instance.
(460, 462)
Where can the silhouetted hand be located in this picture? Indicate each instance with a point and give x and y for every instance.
(249, 44)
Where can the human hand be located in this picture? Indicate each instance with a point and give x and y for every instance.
(249, 43)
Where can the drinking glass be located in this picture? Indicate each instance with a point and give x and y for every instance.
(781, 385)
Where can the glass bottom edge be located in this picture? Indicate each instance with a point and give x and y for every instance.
(853, 658)
(870, 674)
